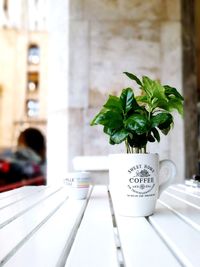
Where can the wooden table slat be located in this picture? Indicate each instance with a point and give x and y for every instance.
(190, 199)
(178, 234)
(13, 211)
(189, 213)
(39, 253)
(16, 191)
(141, 245)
(95, 243)
(20, 228)
(12, 199)
(194, 191)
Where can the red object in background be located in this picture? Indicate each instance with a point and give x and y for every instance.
(34, 181)
(4, 166)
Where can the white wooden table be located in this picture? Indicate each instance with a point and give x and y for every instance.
(41, 226)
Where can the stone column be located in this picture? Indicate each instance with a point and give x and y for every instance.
(57, 128)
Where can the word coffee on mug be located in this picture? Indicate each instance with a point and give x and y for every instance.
(137, 180)
(78, 183)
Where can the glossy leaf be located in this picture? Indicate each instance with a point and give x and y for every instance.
(113, 103)
(151, 138)
(156, 134)
(108, 131)
(142, 99)
(159, 92)
(172, 91)
(148, 86)
(167, 124)
(128, 100)
(156, 94)
(137, 123)
(133, 77)
(160, 119)
(175, 104)
(96, 119)
(119, 136)
(109, 118)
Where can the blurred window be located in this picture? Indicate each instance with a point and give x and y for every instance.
(32, 81)
(32, 108)
(33, 54)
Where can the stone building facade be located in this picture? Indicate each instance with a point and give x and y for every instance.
(23, 60)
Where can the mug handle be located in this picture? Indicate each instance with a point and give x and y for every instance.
(170, 165)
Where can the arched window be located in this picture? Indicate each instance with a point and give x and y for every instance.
(33, 54)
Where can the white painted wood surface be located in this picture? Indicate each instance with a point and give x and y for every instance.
(41, 226)
(179, 224)
(96, 231)
(142, 245)
(170, 237)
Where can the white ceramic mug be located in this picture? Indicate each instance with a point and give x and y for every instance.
(137, 180)
(78, 184)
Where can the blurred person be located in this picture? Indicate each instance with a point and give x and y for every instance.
(27, 161)
(32, 142)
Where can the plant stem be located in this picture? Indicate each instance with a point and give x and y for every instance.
(136, 150)
(127, 147)
(143, 150)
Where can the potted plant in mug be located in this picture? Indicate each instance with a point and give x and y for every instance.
(136, 121)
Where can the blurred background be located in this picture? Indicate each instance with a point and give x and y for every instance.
(59, 61)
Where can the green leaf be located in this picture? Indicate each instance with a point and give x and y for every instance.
(137, 123)
(133, 77)
(165, 125)
(148, 86)
(128, 100)
(159, 92)
(166, 130)
(172, 91)
(108, 118)
(142, 99)
(111, 142)
(108, 131)
(155, 92)
(151, 138)
(155, 101)
(175, 104)
(113, 103)
(156, 134)
(119, 136)
(95, 121)
(161, 119)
